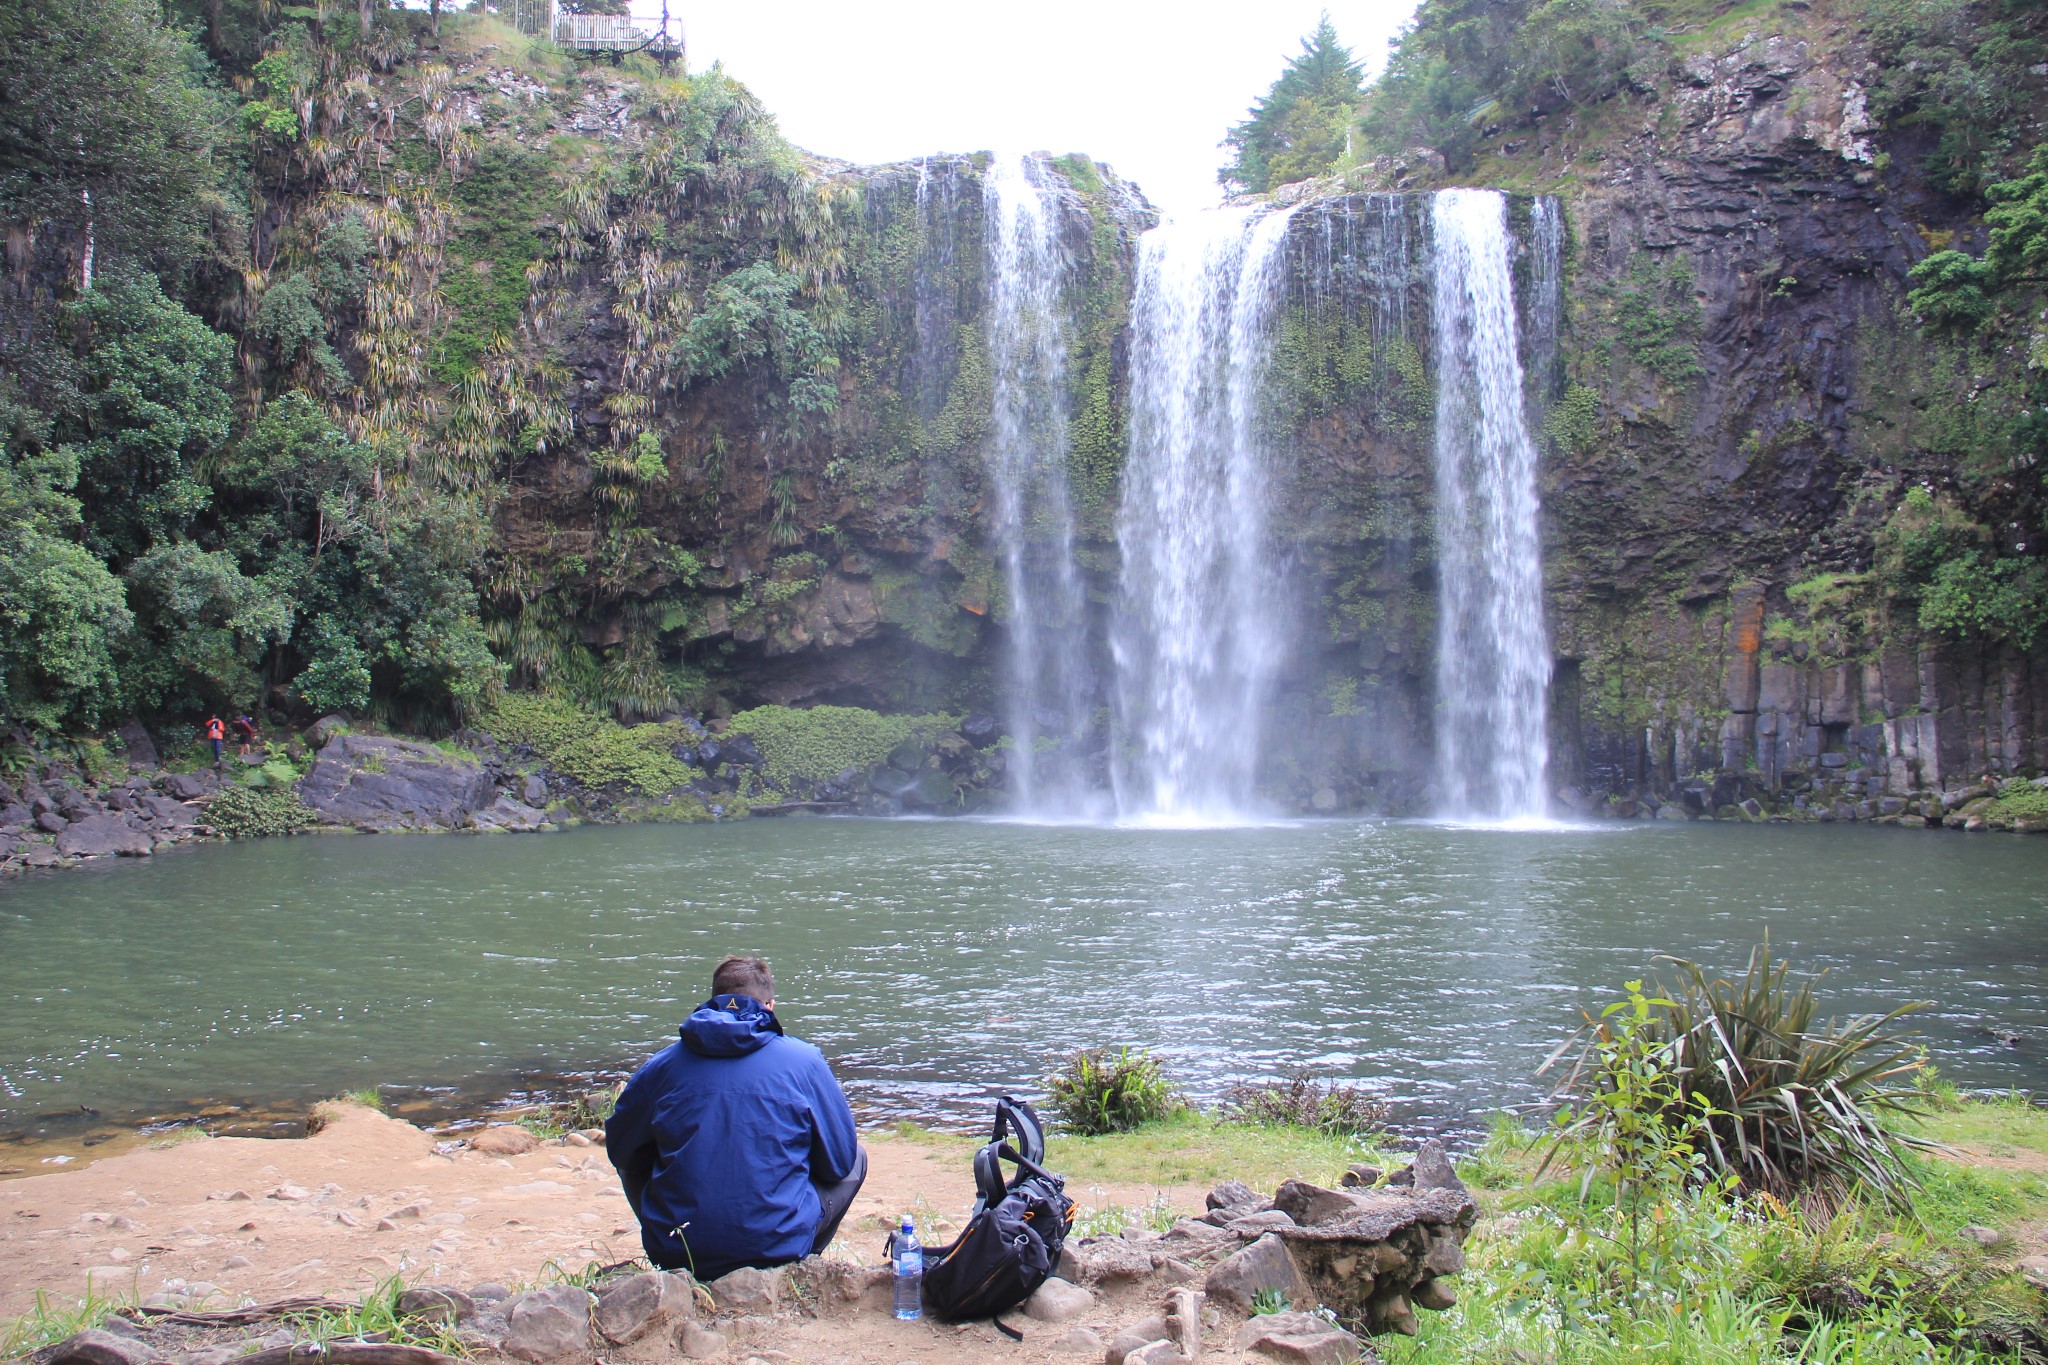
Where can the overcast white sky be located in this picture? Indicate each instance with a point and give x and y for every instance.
(1148, 87)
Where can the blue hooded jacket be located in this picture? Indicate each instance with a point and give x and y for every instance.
(724, 1136)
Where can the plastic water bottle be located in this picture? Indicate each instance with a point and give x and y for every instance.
(909, 1257)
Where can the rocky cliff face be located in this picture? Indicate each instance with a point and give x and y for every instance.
(1731, 405)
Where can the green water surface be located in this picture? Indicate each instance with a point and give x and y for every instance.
(939, 961)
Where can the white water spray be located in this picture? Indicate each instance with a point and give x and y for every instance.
(1049, 695)
(1493, 658)
(1200, 633)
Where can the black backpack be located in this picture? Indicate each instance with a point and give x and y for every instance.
(1013, 1238)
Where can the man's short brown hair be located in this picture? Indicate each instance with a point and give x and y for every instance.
(744, 976)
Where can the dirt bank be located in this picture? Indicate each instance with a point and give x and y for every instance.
(369, 1197)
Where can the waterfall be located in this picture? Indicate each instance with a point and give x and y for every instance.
(1493, 659)
(1048, 694)
(1200, 633)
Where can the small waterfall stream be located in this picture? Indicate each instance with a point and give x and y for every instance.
(1200, 633)
(1049, 694)
(1493, 658)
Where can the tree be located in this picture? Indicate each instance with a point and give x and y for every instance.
(61, 612)
(1300, 127)
(105, 133)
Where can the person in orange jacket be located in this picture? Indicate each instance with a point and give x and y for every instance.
(215, 732)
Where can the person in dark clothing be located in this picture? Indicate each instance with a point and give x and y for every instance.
(735, 1145)
(245, 731)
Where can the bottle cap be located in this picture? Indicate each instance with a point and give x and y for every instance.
(907, 1225)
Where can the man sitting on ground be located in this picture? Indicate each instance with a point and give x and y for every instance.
(735, 1145)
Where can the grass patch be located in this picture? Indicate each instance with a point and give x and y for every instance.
(367, 1096)
(569, 1116)
(1191, 1148)
(51, 1322)
(377, 1318)
(1749, 1280)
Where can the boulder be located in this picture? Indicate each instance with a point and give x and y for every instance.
(1079, 1341)
(139, 744)
(1253, 1224)
(101, 835)
(95, 1346)
(164, 813)
(49, 822)
(533, 791)
(1100, 1259)
(1302, 1338)
(507, 1139)
(1057, 1301)
(1307, 1205)
(698, 1342)
(1138, 1335)
(548, 1324)
(629, 1309)
(1369, 1264)
(508, 814)
(1263, 1265)
(742, 751)
(981, 729)
(748, 1290)
(374, 783)
(1431, 1169)
(1230, 1194)
(189, 786)
(437, 1303)
(324, 729)
(1157, 1353)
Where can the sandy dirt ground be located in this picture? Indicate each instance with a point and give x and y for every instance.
(369, 1197)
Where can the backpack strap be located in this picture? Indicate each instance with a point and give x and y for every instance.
(989, 1185)
(1013, 1114)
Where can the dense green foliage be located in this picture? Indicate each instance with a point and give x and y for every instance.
(248, 812)
(260, 455)
(1096, 1091)
(593, 749)
(821, 742)
(1302, 1101)
(1301, 127)
(1937, 562)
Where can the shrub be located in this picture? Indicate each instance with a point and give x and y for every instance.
(1738, 1077)
(594, 750)
(246, 812)
(1301, 1101)
(823, 741)
(1098, 1092)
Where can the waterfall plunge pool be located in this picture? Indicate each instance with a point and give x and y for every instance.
(940, 961)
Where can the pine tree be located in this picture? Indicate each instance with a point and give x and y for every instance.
(1299, 128)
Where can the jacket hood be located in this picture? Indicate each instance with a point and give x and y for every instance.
(730, 1026)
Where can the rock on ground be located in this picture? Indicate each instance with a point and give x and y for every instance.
(1300, 1338)
(748, 1290)
(629, 1309)
(548, 1324)
(1057, 1301)
(504, 1140)
(96, 836)
(1261, 1266)
(372, 782)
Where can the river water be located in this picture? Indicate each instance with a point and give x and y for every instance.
(939, 961)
